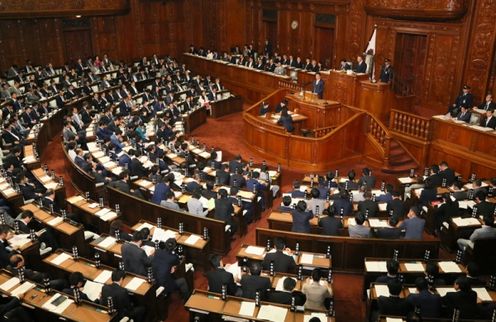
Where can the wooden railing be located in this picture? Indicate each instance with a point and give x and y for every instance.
(320, 132)
(380, 134)
(295, 87)
(410, 124)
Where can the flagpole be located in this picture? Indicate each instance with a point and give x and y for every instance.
(371, 46)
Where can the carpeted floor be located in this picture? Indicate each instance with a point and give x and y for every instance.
(227, 134)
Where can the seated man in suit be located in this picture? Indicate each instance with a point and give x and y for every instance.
(393, 304)
(318, 86)
(350, 184)
(392, 267)
(224, 210)
(342, 206)
(297, 193)
(282, 263)
(287, 294)
(463, 299)
(473, 275)
(286, 120)
(464, 114)
(11, 309)
(367, 179)
(252, 283)
(301, 218)
(316, 204)
(195, 207)
(447, 173)
(121, 299)
(282, 105)
(235, 164)
(488, 103)
(425, 301)
(286, 204)
(218, 276)
(222, 176)
(390, 232)
(45, 235)
(76, 281)
(396, 208)
(170, 202)
(237, 180)
(487, 231)
(413, 225)
(17, 262)
(134, 257)
(317, 292)
(361, 229)
(489, 120)
(368, 206)
(330, 224)
(484, 208)
(361, 66)
(464, 99)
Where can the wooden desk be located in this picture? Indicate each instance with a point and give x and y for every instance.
(194, 119)
(90, 211)
(68, 234)
(226, 106)
(134, 209)
(49, 182)
(465, 148)
(319, 260)
(9, 193)
(36, 298)
(207, 303)
(30, 157)
(348, 253)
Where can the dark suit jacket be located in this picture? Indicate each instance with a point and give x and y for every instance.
(436, 180)
(282, 297)
(250, 284)
(4, 254)
(342, 203)
(464, 117)
(466, 302)
(224, 177)
(491, 123)
(398, 208)
(219, 277)
(223, 210)
(361, 68)
(162, 263)
(120, 297)
(449, 175)
(121, 185)
(369, 205)
(135, 259)
(393, 306)
(301, 221)
(318, 88)
(428, 303)
(282, 263)
(330, 226)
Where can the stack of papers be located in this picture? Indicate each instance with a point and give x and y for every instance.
(60, 259)
(18, 241)
(255, 250)
(306, 258)
(377, 223)
(55, 221)
(92, 290)
(375, 266)
(449, 267)
(107, 242)
(9, 284)
(162, 235)
(102, 212)
(443, 290)
(191, 240)
(466, 204)
(103, 277)
(23, 288)
(463, 222)
(394, 319)
(75, 199)
(135, 283)
(414, 267)
(272, 313)
(406, 180)
(483, 294)
(247, 308)
(109, 216)
(381, 290)
(145, 225)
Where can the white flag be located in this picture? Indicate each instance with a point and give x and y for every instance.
(372, 42)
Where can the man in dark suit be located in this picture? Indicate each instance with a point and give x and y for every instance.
(282, 263)
(45, 236)
(464, 114)
(464, 299)
(427, 302)
(488, 104)
(76, 281)
(368, 206)
(219, 276)
(396, 206)
(164, 265)
(435, 178)
(224, 210)
(134, 257)
(446, 173)
(222, 176)
(361, 66)
(122, 182)
(484, 208)
(235, 164)
(136, 168)
(285, 296)
(393, 304)
(413, 225)
(121, 299)
(330, 224)
(391, 232)
(342, 205)
(237, 180)
(367, 179)
(250, 284)
(387, 73)
(318, 86)
(489, 120)
(5, 250)
(464, 99)
(392, 267)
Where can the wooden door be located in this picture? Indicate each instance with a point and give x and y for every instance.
(409, 65)
(324, 45)
(77, 44)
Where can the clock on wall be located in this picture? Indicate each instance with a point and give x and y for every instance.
(294, 24)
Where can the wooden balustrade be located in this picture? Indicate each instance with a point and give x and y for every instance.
(380, 134)
(320, 132)
(289, 85)
(410, 124)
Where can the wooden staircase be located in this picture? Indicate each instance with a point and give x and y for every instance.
(400, 161)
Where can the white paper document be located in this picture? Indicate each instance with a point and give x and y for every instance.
(254, 250)
(443, 290)
(107, 242)
(109, 216)
(449, 267)
(375, 266)
(23, 288)
(394, 319)
(60, 258)
(75, 199)
(58, 307)
(103, 277)
(134, 283)
(381, 290)
(306, 258)
(247, 308)
(191, 240)
(162, 235)
(102, 212)
(92, 290)
(9, 284)
(377, 223)
(483, 294)
(55, 221)
(414, 267)
(272, 313)
(463, 222)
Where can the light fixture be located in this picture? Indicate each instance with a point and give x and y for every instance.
(78, 16)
